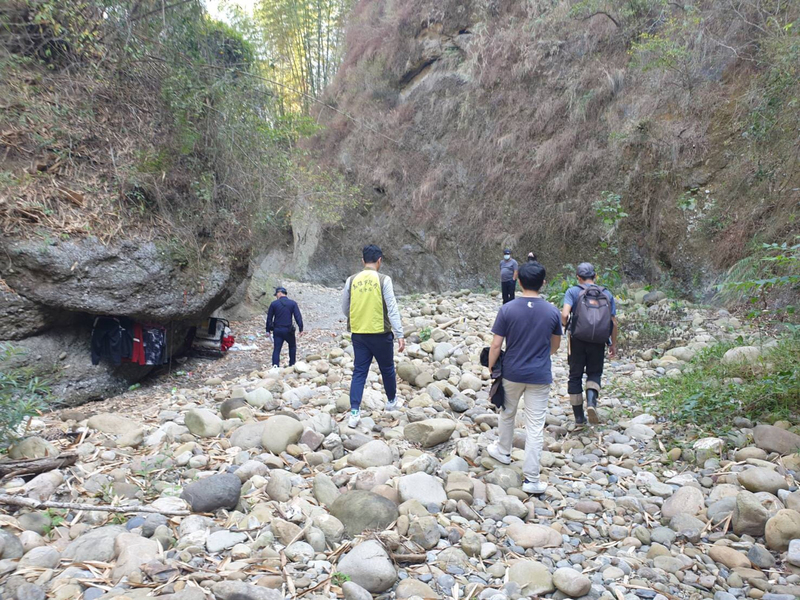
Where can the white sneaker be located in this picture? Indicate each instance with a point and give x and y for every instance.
(534, 487)
(355, 417)
(494, 451)
(391, 404)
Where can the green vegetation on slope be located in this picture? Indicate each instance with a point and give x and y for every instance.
(710, 391)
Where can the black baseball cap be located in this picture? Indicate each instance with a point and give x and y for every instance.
(585, 271)
(507, 251)
(281, 290)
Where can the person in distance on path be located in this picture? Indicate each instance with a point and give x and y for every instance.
(531, 328)
(373, 319)
(280, 328)
(591, 313)
(509, 271)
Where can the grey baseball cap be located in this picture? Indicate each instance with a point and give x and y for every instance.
(585, 271)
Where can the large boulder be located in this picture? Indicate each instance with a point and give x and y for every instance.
(369, 566)
(775, 439)
(359, 510)
(279, 432)
(429, 432)
(212, 493)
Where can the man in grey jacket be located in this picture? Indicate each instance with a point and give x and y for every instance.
(373, 319)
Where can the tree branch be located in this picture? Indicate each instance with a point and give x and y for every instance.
(31, 503)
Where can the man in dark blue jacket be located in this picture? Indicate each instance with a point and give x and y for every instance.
(280, 327)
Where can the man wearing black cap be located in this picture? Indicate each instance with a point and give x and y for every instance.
(591, 313)
(509, 271)
(280, 327)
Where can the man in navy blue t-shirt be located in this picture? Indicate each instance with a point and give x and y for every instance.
(531, 328)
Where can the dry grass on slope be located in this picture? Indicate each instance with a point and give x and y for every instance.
(524, 114)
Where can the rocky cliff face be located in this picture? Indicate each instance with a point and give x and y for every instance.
(648, 136)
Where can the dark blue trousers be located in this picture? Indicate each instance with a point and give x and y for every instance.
(367, 346)
(281, 335)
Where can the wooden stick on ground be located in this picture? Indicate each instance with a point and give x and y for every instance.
(29, 466)
(31, 503)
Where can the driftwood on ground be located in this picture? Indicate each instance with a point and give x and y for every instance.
(31, 503)
(32, 466)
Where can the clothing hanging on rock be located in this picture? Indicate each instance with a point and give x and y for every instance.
(112, 339)
(155, 345)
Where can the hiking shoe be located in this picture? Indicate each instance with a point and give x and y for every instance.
(494, 451)
(391, 404)
(355, 417)
(534, 487)
(580, 418)
(591, 406)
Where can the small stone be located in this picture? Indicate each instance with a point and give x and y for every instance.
(203, 423)
(571, 583)
(214, 492)
(368, 565)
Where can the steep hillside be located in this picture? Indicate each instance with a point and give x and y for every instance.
(132, 168)
(658, 138)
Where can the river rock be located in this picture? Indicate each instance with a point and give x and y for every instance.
(279, 486)
(376, 453)
(214, 492)
(32, 447)
(793, 554)
(10, 546)
(279, 432)
(533, 577)
(111, 423)
(368, 565)
(359, 510)
(425, 532)
(729, 557)
(741, 354)
(430, 432)
(325, 491)
(132, 552)
(96, 545)
(422, 487)
(749, 516)
(687, 500)
(571, 583)
(43, 557)
(775, 439)
(413, 588)
(248, 436)
(782, 529)
(529, 535)
(239, 590)
(203, 423)
(762, 479)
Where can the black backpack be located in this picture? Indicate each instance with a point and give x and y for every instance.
(591, 316)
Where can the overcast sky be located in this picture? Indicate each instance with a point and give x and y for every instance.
(215, 7)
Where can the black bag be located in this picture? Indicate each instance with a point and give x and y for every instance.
(497, 395)
(591, 316)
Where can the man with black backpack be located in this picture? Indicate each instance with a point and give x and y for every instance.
(280, 327)
(589, 314)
